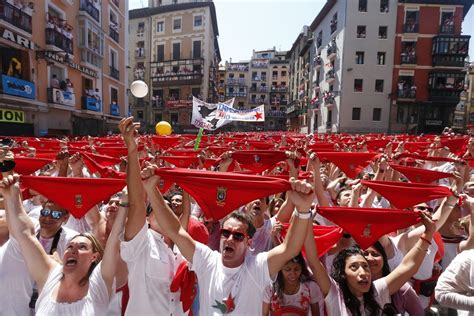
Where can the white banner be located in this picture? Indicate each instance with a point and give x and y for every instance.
(243, 115)
(204, 114)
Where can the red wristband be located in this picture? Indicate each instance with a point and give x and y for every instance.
(424, 239)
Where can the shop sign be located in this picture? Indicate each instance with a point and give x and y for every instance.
(433, 122)
(60, 59)
(17, 39)
(18, 87)
(179, 103)
(63, 97)
(92, 104)
(12, 116)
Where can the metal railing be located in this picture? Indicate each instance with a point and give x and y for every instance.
(114, 34)
(59, 40)
(15, 16)
(408, 59)
(114, 73)
(88, 6)
(410, 27)
(406, 93)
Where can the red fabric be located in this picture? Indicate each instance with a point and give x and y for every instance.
(290, 310)
(103, 160)
(303, 175)
(105, 172)
(219, 193)
(218, 150)
(47, 155)
(420, 174)
(260, 145)
(116, 152)
(439, 242)
(258, 160)
(351, 163)
(324, 236)
(182, 152)
(406, 194)
(457, 146)
(181, 161)
(374, 144)
(166, 141)
(321, 147)
(184, 280)
(416, 146)
(427, 158)
(26, 165)
(77, 195)
(44, 144)
(125, 297)
(198, 230)
(367, 225)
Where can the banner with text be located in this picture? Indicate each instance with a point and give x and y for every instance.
(204, 114)
(243, 115)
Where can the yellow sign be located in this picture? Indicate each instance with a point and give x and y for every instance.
(12, 116)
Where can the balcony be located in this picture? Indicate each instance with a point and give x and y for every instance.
(17, 87)
(293, 108)
(114, 109)
(279, 89)
(406, 93)
(410, 27)
(157, 103)
(15, 16)
(177, 72)
(88, 6)
(446, 29)
(114, 73)
(114, 33)
(333, 26)
(236, 94)
(331, 51)
(91, 104)
(319, 42)
(408, 58)
(59, 40)
(61, 97)
(449, 50)
(445, 95)
(236, 81)
(318, 61)
(116, 3)
(275, 114)
(259, 63)
(140, 52)
(330, 76)
(448, 60)
(258, 101)
(259, 89)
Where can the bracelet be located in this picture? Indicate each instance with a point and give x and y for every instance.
(300, 215)
(422, 249)
(424, 239)
(124, 204)
(450, 205)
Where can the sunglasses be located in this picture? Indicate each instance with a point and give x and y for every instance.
(424, 208)
(53, 214)
(236, 235)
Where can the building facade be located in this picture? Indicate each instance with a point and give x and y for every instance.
(428, 75)
(174, 49)
(63, 66)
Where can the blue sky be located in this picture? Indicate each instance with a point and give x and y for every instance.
(261, 24)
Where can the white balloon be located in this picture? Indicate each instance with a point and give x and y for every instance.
(139, 88)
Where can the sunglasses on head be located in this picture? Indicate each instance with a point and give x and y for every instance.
(424, 208)
(51, 213)
(236, 235)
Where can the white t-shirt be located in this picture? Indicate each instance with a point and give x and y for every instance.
(222, 289)
(262, 239)
(335, 300)
(95, 302)
(151, 268)
(15, 282)
(66, 235)
(309, 293)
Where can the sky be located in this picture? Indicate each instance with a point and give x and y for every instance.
(245, 25)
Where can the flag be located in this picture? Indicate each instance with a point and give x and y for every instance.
(204, 114)
(243, 115)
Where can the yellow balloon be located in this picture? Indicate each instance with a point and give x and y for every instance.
(163, 128)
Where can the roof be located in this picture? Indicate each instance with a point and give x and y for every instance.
(148, 12)
(322, 14)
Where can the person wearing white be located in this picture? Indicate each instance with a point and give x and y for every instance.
(455, 287)
(75, 288)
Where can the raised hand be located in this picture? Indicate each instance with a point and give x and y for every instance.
(301, 195)
(149, 178)
(129, 129)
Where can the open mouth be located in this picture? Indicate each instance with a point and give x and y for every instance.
(71, 262)
(228, 250)
(363, 282)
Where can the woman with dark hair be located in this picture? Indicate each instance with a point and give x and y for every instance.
(83, 284)
(293, 291)
(405, 299)
(351, 289)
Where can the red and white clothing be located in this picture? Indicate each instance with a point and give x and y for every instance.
(151, 268)
(262, 239)
(223, 290)
(308, 294)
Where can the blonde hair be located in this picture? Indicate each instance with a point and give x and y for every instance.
(96, 248)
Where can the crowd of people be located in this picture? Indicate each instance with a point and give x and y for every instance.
(246, 224)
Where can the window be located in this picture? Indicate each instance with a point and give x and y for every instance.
(411, 22)
(158, 117)
(380, 58)
(359, 58)
(384, 6)
(362, 5)
(283, 73)
(447, 23)
(140, 115)
(329, 119)
(174, 118)
(160, 52)
(361, 31)
(196, 91)
(377, 114)
(358, 84)
(177, 24)
(176, 51)
(242, 76)
(160, 26)
(382, 32)
(113, 95)
(198, 21)
(141, 28)
(334, 23)
(378, 85)
(196, 49)
(356, 114)
(173, 94)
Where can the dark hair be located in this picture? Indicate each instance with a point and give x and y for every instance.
(96, 247)
(339, 275)
(386, 268)
(305, 276)
(244, 218)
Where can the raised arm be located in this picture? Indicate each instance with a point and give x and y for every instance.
(169, 223)
(302, 196)
(469, 242)
(21, 228)
(314, 165)
(413, 259)
(136, 193)
(111, 261)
